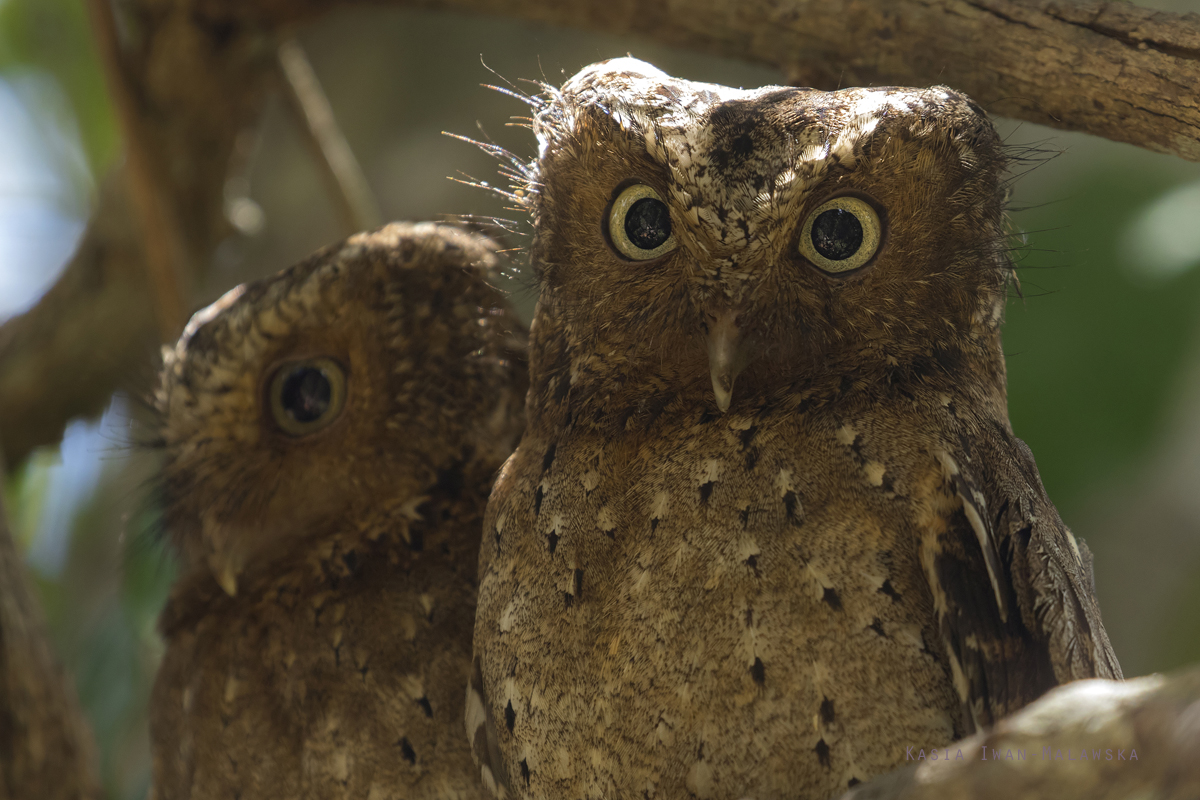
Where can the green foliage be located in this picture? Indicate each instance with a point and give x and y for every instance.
(1093, 352)
(1179, 633)
(25, 496)
(54, 36)
(101, 608)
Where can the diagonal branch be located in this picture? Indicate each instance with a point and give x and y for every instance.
(46, 747)
(88, 333)
(344, 178)
(1111, 69)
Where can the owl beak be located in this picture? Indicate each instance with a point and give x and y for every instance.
(225, 558)
(226, 574)
(727, 355)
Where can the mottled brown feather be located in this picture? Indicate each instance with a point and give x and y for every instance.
(1057, 635)
(339, 667)
(680, 602)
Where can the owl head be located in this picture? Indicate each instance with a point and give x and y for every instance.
(689, 234)
(335, 396)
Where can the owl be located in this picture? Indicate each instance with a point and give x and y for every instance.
(768, 524)
(331, 435)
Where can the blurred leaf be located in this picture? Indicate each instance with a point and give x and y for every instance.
(54, 36)
(1093, 354)
(25, 496)
(116, 589)
(149, 571)
(1180, 631)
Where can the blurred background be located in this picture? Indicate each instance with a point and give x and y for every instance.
(1103, 348)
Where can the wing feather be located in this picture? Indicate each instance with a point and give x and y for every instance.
(1013, 590)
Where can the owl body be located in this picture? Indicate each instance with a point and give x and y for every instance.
(344, 686)
(708, 631)
(331, 436)
(768, 525)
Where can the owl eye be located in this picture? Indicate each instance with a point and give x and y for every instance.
(840, 235)
(639, 224)
(305, 396)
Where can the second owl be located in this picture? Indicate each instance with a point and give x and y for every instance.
(331, 434)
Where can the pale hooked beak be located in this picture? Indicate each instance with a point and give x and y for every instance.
(226, 573)
(727, 355)
(226, 557)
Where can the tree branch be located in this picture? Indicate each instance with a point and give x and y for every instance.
(344, 178)
(1039, 752)
(90, 332)
(46, 748)
(1107, 68)
(147, 184)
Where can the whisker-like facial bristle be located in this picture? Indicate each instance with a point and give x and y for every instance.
(1014, 209)
(523, 170)
(534, 101)
(467, 180)
(1022, 159)
(147, 527)
(488, 223)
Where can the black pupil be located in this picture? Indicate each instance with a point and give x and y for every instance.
(648, 223)
(837, 234)
(305, 395)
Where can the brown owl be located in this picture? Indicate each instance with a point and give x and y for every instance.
(768, 524)
(331, 435)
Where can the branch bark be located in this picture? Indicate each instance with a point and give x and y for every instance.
(147, 185)
(46, 748)
(1107, 68)
(1091, 740)
(92, 330)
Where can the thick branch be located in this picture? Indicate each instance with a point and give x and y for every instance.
(92, 329)
(1090, 740)
(1107, 68)
(46, 747)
